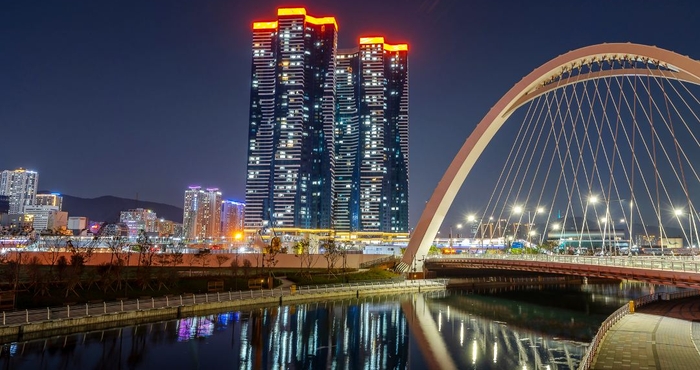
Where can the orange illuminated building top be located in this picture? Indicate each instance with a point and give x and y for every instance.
(281, 12)
(380, 40)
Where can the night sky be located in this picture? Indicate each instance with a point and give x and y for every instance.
(145, 98)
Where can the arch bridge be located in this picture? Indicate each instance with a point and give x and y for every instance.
(605, 146)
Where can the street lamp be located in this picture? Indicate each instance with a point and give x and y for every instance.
(520, 210)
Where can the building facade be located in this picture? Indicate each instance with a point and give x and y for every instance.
(46, 217)
(347, 135)
(232, 219)
(292, 113)
(138, 219)
(202, 213)
(372, 138)
(78, 225)
(49, 199)
(20, 186)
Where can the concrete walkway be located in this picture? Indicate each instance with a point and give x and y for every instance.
(662, 335)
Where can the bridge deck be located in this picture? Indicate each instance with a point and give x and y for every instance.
(659, 336)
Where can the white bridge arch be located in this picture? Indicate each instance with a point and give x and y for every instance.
(550, 76)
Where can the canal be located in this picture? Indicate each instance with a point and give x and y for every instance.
(525, 327)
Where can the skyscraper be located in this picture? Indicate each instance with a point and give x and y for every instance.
(372, 138)
(292, 113)
(202, 213)
(232, 215)
(346, 140)
(20, 185)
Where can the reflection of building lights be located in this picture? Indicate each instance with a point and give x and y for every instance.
(474, 347)
(495, 352)
(461, 333)
(440, 320)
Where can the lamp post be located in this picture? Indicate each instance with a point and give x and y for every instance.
(555, 227)
(520, 210)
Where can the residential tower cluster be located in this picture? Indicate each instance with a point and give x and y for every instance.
(328, 130)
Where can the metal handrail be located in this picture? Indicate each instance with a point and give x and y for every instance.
(621, 312)
(666, 263)
(23, 317)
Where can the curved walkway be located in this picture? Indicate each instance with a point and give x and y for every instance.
(662, 335)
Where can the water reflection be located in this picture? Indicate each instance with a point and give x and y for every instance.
(500, 330)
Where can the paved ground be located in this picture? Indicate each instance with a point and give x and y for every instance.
(662, 335)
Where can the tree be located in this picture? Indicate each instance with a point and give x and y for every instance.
(271, 252)
(221, 259)
(331, 253)
(303, 252)
(247, 265)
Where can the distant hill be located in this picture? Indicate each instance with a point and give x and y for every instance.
(107, 208)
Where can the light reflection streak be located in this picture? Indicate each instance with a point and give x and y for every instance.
(495, 352)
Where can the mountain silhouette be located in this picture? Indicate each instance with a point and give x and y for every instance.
(107, 208)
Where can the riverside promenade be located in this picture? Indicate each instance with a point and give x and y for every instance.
(31, 324)
(661, 335)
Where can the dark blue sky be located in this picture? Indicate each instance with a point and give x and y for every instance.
(148, 97)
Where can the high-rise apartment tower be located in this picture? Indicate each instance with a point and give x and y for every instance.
(292, 113)
(372, 137)
(202, 213)
(20, 186)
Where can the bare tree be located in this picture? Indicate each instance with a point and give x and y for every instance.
(221, 259)
(247, 266)
(305, 257)
(331, 253)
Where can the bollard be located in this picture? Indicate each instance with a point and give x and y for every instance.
(121, 303)
(153, 303)
(104, 305)
(26, 313)
(180, 300)
(167, 303)
(137, 304)
(48, 313)
(206, 297)
(229, 296)
(631, 306)
(87, 310)
(218, 297)
(3, 317)
(194, 300)
(67, 314)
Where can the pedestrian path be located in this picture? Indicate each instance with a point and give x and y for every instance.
(662, 335)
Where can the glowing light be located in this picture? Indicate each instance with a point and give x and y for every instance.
(322, 21)
(678, 212)
(264, 25)
(593, 199)
(371, 40)
(398, 47)
(517, 209)
(291, 11)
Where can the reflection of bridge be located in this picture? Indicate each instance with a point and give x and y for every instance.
(603, 149)
(447, 333)
(680, 271)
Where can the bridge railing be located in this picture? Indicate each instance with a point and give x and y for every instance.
(621, 312)
(72, 311)
(666, 263)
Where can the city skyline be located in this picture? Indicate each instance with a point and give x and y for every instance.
(110, 79)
